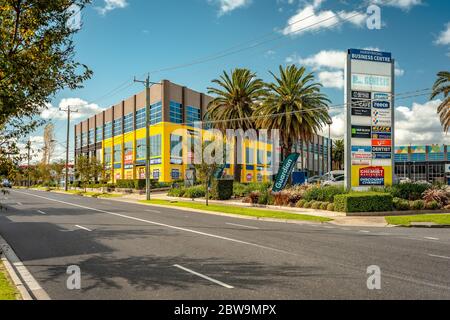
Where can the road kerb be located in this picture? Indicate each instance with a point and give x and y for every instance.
(25, 283)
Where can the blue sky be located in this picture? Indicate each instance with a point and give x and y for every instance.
(121, 39)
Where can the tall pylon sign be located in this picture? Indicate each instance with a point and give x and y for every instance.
(370, 120)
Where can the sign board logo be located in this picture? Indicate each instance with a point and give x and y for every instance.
(362, 95)
(381, 105)
(362, 132)
(381, 143)
(382, 149)
(381, 122)
(371, 82)
(381, 129)
(382, 114)
(371, 176)
(357, 103)
(382, 156)
(361, 112)
(368, 55)
(381, 96)
(381, 136)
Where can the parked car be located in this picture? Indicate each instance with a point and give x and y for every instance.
(6, 184)
(337, 181)
(316, 180)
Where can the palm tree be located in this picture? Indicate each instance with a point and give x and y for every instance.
(235, 98)
(338, 153)
(442, 86)
(295, 106)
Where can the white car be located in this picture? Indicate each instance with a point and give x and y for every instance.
(336, 181)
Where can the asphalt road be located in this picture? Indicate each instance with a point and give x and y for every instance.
(130, 251)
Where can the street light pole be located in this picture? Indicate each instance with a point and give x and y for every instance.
(330, 168)
(28, 164)
(148, 185)
(69, 111)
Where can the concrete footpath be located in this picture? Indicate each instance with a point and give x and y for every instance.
(338, 218)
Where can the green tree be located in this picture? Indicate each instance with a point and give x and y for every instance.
(235, 97)
(338, 153)
(37, 56)
(295, 106)
(88, 170)
(205, 171)
(442, 86)
(58, 169)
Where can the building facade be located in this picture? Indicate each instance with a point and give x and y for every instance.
(423, 163)
(117, 137)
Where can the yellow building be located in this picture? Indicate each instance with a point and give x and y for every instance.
(117, 137)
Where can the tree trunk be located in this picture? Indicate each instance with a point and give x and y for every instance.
(237, 167)
(207, 192)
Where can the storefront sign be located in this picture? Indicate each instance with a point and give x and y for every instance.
(382, 149)
(362, 95)
(381, 96)
(381, 105)
(357, 103)
(371, 176)
(361, 112)
(363, 132)
(285, 172)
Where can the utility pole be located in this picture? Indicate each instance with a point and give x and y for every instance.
(69, 111)
(148, 184)
(28, 165)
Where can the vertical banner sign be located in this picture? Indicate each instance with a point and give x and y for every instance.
(370, 120)
(285, 172)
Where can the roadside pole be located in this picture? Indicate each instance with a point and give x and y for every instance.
(28, 165)
(69, 111)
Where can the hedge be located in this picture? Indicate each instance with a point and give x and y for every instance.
(222, 189)
(409, 191)
(363, 202)
(323, 194)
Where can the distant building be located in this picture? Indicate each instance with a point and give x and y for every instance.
(117, 138)
(423, 163)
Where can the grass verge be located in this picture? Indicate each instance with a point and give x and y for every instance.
(92, 194)
(7, 289)
(251, 212)
(442, 219)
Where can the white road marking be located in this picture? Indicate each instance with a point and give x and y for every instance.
(153, 211)
(83, 228)
(328, 227)
(19, 204)
(431, 238)
(441, 257)
(364, 231)
(241, 225)
(41, 212)
(204, 277)
(162, 224)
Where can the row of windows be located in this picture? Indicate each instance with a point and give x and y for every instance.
(176, 112)
(192, 115)
(91, 136)
(118, 127)
(128, 123)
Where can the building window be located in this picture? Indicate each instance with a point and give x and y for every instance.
(91, 136)
(260, 157)
(140, 119)
(99, 134)
(118, 127)
(176, 113)
(78, 141)
(155, 113)
(192, 115)
(249, 156)
(108, 159)
(128, 123)
(155, 145)
(118, 153)
(84, 139)
(108, 130)
(141, 150)
(176, 149)
(269, 158)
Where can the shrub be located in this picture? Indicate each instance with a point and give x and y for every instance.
(240, 190)
(301, 203)
(326, 194)
(363, 202)
(195, 192)
(330, 207)
(433, 205)
(418, 205)
(253, 197)
(324, 205)
(316, 205)
(409, 191)
(401, 204)
(281, 198)
(266, 198)
(436, 194)
(222, 189)
(308, 205)
(176, 192)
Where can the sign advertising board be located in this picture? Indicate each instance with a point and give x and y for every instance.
(369, 91)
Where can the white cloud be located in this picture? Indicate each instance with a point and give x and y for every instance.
(309, 18)
(332, 79)
(112, 5)
(337, 128)
(84, 110)
(227, 6)
(444, 37)
(419, 124)
(402, 4)
(326, 58)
